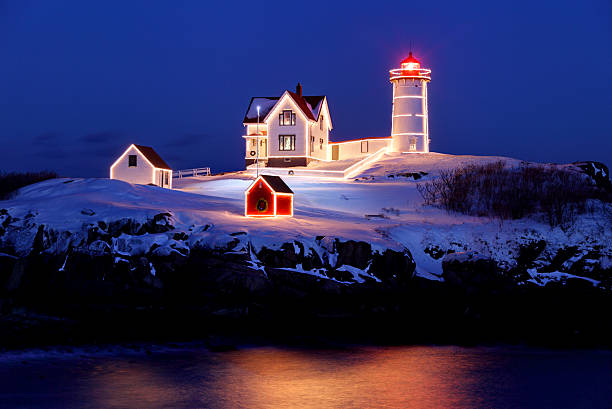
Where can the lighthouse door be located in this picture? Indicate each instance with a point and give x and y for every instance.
(335, 152)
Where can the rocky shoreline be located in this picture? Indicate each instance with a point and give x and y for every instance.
(90, 294)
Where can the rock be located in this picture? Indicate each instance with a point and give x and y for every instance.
(473, 273)
(393, 265)
(354, 253)
(529, 252)
(598, 172)
(87, 212)
(7, 264)
(285, 257)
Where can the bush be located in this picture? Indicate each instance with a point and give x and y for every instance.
(512, 193)
(11, 182)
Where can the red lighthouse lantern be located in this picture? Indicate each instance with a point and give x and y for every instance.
(410, 66)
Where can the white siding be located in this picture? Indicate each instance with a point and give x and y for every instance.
(409, 115)
(160, 178)
(320, 152)
(251, 146)
(141, 174)
(300, 129)
(352, 149)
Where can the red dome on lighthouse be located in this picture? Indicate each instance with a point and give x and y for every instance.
(410, 59)
(410, 63)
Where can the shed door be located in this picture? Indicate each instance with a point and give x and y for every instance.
(335, 152)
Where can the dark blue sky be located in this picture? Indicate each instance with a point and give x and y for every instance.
(79, 81)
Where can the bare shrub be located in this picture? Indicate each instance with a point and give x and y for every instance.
(11, 182)
(495, 190)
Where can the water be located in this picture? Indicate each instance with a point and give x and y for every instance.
(279, 377)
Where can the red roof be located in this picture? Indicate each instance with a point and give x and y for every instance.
(309, 104)
(411, 59)
(301, 102)
(153, 157)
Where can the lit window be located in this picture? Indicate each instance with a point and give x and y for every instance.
(132, 161)
(364, 146)
(286, 142)
(412, 146)
(286, 118)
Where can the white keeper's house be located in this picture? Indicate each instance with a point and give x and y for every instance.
(143, 165)
(293, 129)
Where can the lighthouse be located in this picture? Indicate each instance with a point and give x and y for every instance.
(409, 127)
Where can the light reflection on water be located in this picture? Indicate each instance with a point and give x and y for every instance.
(274, 377)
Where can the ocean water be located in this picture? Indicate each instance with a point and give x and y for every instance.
(282, 377)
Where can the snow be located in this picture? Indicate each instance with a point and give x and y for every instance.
(265, 103)
(542, 279)
(385, 212)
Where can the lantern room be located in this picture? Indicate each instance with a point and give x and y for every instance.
(410, 68)
(268, 196)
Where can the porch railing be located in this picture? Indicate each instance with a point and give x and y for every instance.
(191, 172)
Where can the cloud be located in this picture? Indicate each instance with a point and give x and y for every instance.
(188, 139)
(47, 139)
(100, 137)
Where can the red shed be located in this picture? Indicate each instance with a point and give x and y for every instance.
(268, 196)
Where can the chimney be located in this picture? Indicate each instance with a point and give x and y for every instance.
(298, 89)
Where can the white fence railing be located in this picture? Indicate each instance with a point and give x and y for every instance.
(191, 172)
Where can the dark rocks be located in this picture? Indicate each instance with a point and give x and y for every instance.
(434, 252)
(408, 175)
(390, 265)
(284, 257)
(180, 236)
(598, 172)
(473, 274)
(393, 265)
(529, 252)
(160, 223)
(354, 253)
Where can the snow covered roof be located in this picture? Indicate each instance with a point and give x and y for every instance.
(152, 157)
(309, 104)
(315, 102)
(277, 184)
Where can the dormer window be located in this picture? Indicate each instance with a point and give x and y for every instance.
(286, 118)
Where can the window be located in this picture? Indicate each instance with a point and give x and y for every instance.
(286, 142)
(132, 161)
(166, 173)
(364, 146)
(321, 124)
(320, 143)
(286, 118)
(254, 142)
(312, 144)
(412, 146)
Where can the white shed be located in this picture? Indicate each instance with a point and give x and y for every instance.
(142, 165)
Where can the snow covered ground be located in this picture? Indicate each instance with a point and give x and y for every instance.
(379, 206)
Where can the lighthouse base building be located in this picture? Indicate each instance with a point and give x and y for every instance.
(293, 130)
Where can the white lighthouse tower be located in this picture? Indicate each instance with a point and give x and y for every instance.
(410, 127)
